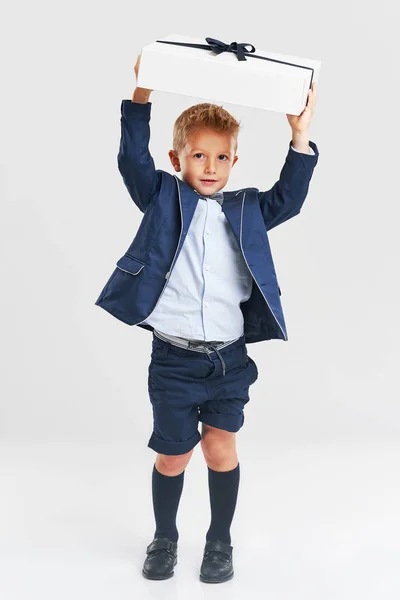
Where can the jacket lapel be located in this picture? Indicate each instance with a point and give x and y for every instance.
(232, 209)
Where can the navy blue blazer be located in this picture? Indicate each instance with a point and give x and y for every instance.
(168, 204)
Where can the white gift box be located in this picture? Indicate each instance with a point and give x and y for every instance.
(277, 82)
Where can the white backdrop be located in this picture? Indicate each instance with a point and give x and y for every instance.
(320, 445)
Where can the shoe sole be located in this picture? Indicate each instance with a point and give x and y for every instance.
(159, 578)
(227, 578)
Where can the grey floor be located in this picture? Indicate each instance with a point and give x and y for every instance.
(313, 521)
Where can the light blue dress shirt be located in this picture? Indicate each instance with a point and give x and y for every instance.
(209, 281)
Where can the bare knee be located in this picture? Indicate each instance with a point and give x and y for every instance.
(219, 448)
(172, 465)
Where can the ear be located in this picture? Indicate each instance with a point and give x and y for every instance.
(174, 160)
(235, 159)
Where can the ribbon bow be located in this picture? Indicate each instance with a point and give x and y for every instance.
(240, 50)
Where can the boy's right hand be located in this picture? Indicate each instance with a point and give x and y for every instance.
(137, 65)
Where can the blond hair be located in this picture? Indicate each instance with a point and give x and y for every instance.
(206, 115)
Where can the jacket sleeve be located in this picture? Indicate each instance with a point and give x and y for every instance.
(286, 197)
(135, 162)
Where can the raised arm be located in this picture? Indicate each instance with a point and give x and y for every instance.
(135, 162)
(286, 197)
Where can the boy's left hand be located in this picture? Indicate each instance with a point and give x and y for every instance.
(300, 123)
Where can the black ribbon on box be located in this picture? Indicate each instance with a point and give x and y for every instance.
(217, 46)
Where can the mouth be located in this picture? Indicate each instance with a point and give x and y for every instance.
(209, 180)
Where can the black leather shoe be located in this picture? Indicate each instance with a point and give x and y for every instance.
(217, 562)
(161, 559)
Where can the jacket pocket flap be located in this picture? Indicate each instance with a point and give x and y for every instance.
(130, 264)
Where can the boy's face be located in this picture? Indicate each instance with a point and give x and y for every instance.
(206, 155)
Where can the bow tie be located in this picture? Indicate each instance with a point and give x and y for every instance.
(218, 196)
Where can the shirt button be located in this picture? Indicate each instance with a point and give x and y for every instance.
(207, 267)
(206, 304)
(207, 232)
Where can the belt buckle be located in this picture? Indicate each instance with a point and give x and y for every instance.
(194, 344)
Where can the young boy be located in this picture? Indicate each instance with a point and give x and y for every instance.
(199, 274)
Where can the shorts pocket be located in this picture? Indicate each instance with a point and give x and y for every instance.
(253, 370)
(152, 385)
(158, 352)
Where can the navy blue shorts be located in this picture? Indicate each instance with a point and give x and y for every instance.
(187, 386)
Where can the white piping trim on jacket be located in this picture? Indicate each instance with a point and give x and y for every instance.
(241, 247)
(130, 272)
(180, 235)
(173, 260)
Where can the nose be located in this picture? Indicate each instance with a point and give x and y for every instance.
(210, 168)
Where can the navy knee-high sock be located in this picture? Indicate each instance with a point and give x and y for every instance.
(223, 488)
(166, 492)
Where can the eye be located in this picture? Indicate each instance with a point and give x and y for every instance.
(199, 154)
